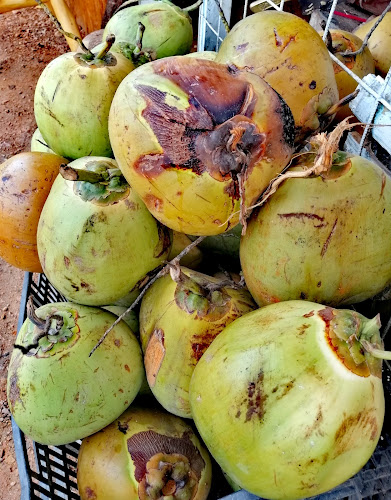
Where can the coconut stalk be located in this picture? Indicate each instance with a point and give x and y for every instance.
(165, 270)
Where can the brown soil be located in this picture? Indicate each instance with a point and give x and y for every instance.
(29, 41)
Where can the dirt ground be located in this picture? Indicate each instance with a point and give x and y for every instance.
(28, 42)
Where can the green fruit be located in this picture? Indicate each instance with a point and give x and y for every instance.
(288, 400)
(179, 319)
(97, 240)
(179, 242)
(56, 392)
(291, 56)
(72, 102)
(38, 143)
(145, 454)
(168, 29)
(130, 318)
(323, 238)
(194, 137)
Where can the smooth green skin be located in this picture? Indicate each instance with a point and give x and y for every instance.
(65, 395)
(338, 252)
(311, 423)
(225, 244)
(131, 318)
(105, 467)
(168, 29)
(72, 103)
(38, 143)
(184, 333)
(90, 253)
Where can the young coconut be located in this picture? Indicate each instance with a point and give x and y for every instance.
(56, 392)
(343, 42)
(168, 29)
(180, 316)
(25, 183)
(300, 403)
(324, 235)
(291, 56)
(96, 239)
(73, 98)
(146, 454)
(198, 140)
(38, 143)
(379, 42)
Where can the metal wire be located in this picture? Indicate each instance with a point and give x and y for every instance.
(329, 19)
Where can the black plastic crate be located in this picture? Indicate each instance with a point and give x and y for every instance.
(49, 472)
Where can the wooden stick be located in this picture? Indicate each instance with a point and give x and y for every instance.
(67, 21)
(8, 5)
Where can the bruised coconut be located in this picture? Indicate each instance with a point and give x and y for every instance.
(56, 392)
(194, 137)
(324, 234)
(146, 454)
(290, 55)
(96, 239)
(180, 316)
(300, 402)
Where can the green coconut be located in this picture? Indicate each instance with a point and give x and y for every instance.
(168, 29)
(180, 317)
(289, 398)
(72, 101)
(56, 392)
(38, 143)
(96, 239)
(145, 454)
(325, 238)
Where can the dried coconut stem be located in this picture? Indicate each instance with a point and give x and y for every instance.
(194, 6)
(222, 16)
(63, 32)
(367, 37)
(327, 146)
(165, 270)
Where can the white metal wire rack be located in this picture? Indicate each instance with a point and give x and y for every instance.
(373, 104)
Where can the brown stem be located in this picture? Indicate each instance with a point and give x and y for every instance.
(341, 103)
(77, 174)
(165, 270)
(63, 32)
(42, 325)
(139, 39)
(366, 39)
(110, 39)
(222, 15)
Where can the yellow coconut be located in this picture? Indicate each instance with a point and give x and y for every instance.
(379, 42)
(361, 65)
